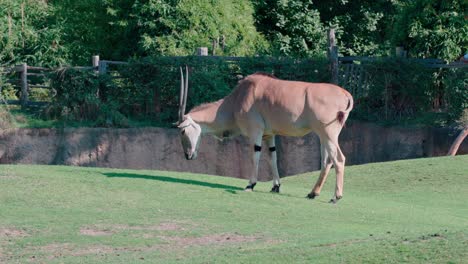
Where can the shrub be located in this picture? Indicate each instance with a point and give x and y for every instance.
(397, 89)
(455, 82)
(153, 83)
(83, 95)
(149, 88)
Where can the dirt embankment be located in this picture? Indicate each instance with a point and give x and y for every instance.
(157, 148)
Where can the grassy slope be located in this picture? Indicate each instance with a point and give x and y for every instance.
(407, 211)
(13, 116)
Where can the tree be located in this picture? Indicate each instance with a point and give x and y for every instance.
(292, 26)
(362, 26)
(104, 27)
(28, 33)
(432, 28)
(177, 27)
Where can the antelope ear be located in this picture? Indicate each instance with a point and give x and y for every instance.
(187, 121)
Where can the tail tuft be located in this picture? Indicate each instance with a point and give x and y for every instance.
(341, 116)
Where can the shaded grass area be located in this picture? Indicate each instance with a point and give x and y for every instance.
(411, 211)
(36, 118)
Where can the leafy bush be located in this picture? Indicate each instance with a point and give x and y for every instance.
(83, 95)
(455, 82)
(6, 119)
(432, 28)
(149, 88)
(154, 82)
(400, 90)
(397, 89)
(363, 27)
(7, 90)
(293, 27)
(28, 33)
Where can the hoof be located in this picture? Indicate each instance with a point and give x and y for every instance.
(311, 195)
(250, 187)
(276, 188)
(336, 199)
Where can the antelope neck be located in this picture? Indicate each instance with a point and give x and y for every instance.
(211, 120)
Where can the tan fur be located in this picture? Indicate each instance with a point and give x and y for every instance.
(263, 106)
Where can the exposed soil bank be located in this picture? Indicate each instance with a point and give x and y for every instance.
(160, 149)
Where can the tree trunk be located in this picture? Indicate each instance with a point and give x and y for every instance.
(456, 144)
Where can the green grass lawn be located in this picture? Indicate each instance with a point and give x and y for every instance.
(413, 211)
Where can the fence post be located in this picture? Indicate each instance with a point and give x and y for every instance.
(215, 45)
(24, 85)
(223, 42)
(202, 51)
(333, 55)
(95, 60)
(102, 67)
(400, 52)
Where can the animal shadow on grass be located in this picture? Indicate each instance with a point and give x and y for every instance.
(174, 180)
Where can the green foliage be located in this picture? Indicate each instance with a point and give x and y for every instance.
(153, 83)
(6, 119)
(7, 90)
(28, 34)
(362, 26)
(292, 26)
(149, 88)
(176, 27)
(432, 28)
(309, 70)
(397, 89)
(83, 95)
(191, 24)
(455, 82)
(60, 32)
(86, 30)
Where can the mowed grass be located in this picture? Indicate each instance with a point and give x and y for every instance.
(412, 211)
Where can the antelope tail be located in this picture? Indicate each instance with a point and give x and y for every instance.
(342, 114)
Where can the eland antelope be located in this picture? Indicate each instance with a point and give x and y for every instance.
(262, 106)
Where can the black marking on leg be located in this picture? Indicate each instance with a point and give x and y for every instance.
(272, 149)
(312, 195)
(250, 187)
(276, 188)
(257, 148)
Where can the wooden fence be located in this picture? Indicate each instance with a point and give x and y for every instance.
(26, 78)
(351, 72)
(347, 72)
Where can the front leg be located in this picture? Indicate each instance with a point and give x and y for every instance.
(257, 150)
(274, 165)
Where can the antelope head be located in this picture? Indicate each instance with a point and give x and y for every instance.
(189, 130)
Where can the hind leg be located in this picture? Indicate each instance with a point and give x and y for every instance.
(274, 164)
(329, 142)
(326, 164)
(338, 160)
